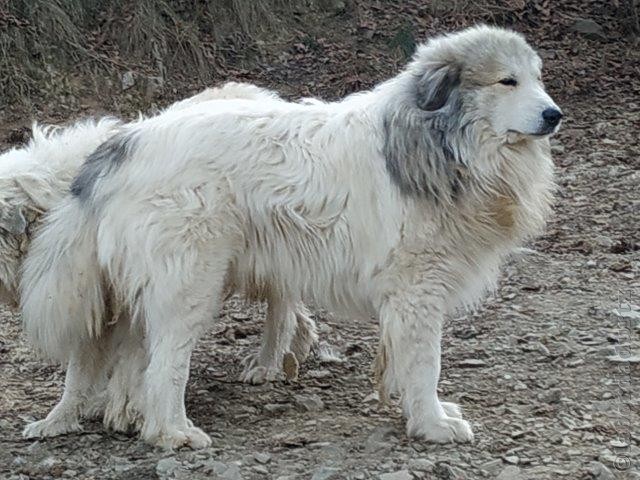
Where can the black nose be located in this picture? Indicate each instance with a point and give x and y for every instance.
(551, 117)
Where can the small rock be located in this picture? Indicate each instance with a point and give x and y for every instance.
(277, 407)
(372, 398)
(445, 471)
(509, 473)
(167, 466)
(604, 241)
(319, 373)
(399, 475)
(472, 363)
(512, 459)
(630, 312)
(215, 467)
(261, 469)
(127, 80)
(310, 403)
(421, 465)
(600, 471)
(5, 424)
(492, 467)
(589, 29)
(325, 473)
(47, 464)
(552, 396)
(624, 359)
(232, 473)
(18, 462)
(70, 473)
(618, 444)
(263, 458)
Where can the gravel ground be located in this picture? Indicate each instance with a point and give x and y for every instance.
(546, 371)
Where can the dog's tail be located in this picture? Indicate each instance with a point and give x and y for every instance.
(62, 295)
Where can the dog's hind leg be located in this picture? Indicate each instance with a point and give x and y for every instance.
(85, 377)
(279, 328)
(178, 307)
(306, 334)
(288, 328)
(125, 391)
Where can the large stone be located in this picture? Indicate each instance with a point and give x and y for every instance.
(589, 29)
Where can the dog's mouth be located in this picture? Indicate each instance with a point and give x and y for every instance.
(516, 135)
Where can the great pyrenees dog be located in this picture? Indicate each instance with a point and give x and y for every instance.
(399, 203)
(33, 180)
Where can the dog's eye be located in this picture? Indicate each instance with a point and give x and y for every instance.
(511, 82)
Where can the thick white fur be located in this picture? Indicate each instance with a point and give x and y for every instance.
(399, 202)
(34, 179)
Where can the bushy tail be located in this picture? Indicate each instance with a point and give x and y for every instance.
(61, 289)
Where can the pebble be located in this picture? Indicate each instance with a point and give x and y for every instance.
(399, 475)
(232, 473)
(492, 467)
(261, 469)
(510, 472)
(262, 458)
(512, 459)
(600, 471)
(216, 467)
(318, 373)
(166, 466)
(310, 403)
(325, 473)
(277, 407)
(421, 465)
(446, 471)
(472, 363)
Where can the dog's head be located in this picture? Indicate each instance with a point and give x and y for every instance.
(492, 76)
(18, 213)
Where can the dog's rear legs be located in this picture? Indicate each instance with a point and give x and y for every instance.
(409, 363)
(178, 309)
(288, 328)
(85, 377)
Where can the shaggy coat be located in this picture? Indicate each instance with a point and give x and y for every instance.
(400, 203)
(34, 179)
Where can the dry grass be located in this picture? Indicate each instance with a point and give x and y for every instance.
(45, 42)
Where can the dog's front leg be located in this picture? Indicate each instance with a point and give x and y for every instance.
(409, 364)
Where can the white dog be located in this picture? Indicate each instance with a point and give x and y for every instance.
(35, 178)
(400, 202)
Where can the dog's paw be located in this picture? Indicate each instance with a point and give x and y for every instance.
(441, 430)
(259, 375)
(451, 409)
(174, 438)
(51, 427)
(256, 374)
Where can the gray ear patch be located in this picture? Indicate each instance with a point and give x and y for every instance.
(435, 87)
(14, 222)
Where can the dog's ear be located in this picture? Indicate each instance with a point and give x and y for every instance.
(436, 86)
(13, 221)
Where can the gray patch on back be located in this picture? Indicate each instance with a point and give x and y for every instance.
(424, 132)
(103, 161)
